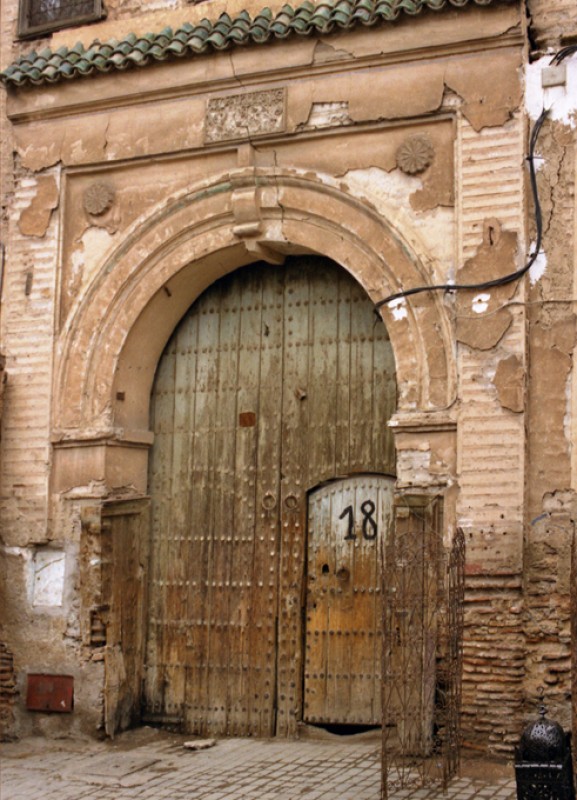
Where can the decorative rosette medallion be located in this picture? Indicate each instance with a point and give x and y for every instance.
(98, 198)
(415, 154)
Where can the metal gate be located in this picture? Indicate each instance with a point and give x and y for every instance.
(422, 654)
(278, 379)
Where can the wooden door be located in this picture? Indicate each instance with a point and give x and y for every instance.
(277, 379)
(348, 521)
(122, 616)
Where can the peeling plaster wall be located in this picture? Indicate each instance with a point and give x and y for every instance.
(27, 329)
(551, 506)
(500, 452)
(39, 625)
(491, 438)
(479, 137)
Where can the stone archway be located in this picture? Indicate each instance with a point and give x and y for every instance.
(109, 347)
(108, 350)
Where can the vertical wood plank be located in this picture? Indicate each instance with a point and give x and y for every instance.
(263, 628)
(248, 358)
(125, 559)
(204, 478)
(317, 618)
(293, 511)
(160, 478)
(176, 615)
(321, 385)
(223, 458)
(343, 382)
(361, 377)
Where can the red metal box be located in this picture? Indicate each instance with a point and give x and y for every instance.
(50, 693)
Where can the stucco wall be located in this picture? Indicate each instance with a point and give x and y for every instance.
(552, 389)
(487, 409)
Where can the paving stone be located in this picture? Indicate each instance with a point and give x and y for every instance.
(153, 765)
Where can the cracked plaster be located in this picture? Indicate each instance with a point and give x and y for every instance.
(34, 219)
(430, 233)
(509, 380)
(482, 319)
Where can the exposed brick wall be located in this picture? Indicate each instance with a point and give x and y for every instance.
(550, 20)
(7, 692)
(27, 328)
(7, 26)
(494, 659)
(551, 502)
(491, 458)
(547, 617)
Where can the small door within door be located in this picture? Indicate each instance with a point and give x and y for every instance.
(347, 522)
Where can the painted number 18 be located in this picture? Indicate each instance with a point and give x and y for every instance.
(368, 525)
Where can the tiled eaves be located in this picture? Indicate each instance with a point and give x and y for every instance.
(307, 19)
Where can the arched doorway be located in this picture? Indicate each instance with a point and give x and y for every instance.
(277, 380)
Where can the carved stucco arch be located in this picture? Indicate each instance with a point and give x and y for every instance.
(109, 348)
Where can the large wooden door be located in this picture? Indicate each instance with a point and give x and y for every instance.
(277, 379)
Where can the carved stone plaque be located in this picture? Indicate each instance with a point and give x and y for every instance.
(240, 116)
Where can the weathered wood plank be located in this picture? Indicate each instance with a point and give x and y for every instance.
(263, 619)
(295, 461)
(125, 560)
(222, 506)
(321, 383)
(246, 452)
(160, 480)
(342, 380)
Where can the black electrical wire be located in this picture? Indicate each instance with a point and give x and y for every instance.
(564, 53)
(513, 276)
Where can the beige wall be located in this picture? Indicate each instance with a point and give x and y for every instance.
(486, 400)
(552, 390)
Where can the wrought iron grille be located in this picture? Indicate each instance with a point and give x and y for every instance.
(41, 16)
(422, 659)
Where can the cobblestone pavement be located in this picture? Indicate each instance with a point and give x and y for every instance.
(154, 765)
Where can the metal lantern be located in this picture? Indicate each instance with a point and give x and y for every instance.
(543, 762)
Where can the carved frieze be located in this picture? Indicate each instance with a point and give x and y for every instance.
(240, 116)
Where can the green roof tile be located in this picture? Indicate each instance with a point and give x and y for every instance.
(50, 66)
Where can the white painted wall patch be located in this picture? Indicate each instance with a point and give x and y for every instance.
(559, 98)
(538, 268)
(48, 577)
(399, 308)
(481, 303)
